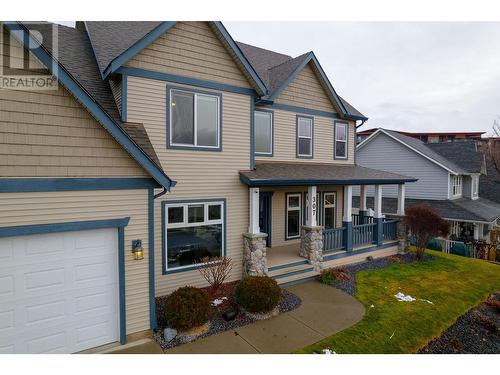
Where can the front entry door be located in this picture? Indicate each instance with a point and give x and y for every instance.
(265, 215)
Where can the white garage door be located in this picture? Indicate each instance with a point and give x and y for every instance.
(58, 291)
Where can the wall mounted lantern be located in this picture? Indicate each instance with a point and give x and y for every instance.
(137, 249)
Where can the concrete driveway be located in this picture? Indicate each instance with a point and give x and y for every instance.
(324, 311)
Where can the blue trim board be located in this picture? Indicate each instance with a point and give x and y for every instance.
(167, 119)
(252, 134)
(344, 254)
(78, 226)
(347, 235)
(173, 78)
(379, 230)
(137, 47)
(306, 111)
(335, 123)
(95, 109)
(124, 93)
(163, 230)
(272, 130)
(297, 117)
(23, 185)
(151, 247)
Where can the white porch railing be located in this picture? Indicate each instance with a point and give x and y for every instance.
(446, 245)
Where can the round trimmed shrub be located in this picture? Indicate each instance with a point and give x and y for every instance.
(186, 308)
(460, 249)
(434, 244)
(258, 294)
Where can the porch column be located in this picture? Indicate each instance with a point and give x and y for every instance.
(477, 229)
(379, 221)
(254, 242)
(347, 220)
(311, 240)
(362, 204)
(401, 199)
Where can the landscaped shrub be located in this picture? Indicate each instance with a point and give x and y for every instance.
(394, 259)
(258, 293)
(493, 303)
(185, 308)
(460, 249)
(434, 244)
(331, 275)
(215, 270)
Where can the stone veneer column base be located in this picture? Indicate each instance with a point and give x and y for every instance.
(311, 246)
(401, 234)
(255, 254)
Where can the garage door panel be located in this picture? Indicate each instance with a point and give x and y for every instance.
(59, 304)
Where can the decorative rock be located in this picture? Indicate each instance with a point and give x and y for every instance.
(169, 334)
(255, 254)
(311, 246)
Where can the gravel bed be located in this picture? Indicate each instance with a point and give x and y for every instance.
(349, 286)
(475, 332)
(288, 302)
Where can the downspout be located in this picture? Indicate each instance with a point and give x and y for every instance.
(163, 192)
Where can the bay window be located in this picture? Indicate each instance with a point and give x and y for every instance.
(293, 215)
(193, 231)
(340, 146)
(304, 137)
(194, 119)
(263, 123)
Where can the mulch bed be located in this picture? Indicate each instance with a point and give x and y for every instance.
(288, 302)
(349, 286)
(475, 332)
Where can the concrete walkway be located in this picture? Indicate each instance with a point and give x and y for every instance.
(324, 312)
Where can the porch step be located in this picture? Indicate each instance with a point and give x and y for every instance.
(293, 269)
(297, 278)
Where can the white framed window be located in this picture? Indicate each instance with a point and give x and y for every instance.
(263, 123)
(304, 137)
(293, 215)
(194, 119)
(475, 186)
(193, 231)
(329, 200)
(340, 147)
(456, 186)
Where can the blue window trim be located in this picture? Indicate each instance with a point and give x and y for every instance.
(124, 93)
(219, 130)
(164, 27)
(173, 78)
(23, 185)
(24, 230)
(272, 132)
(151, 241)
(297, 117)
(346, 157)
(164, 239)
(94, 109)
(287, 238)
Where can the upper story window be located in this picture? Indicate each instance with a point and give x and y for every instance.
(340, 140)
(263, 133)
(475, 186)
(304, 137)
(195, 120)
(456, 186)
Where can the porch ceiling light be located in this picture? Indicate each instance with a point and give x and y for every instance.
(137, 249)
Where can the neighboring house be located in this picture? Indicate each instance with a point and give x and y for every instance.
(428, 137)
(165, 142)
(449, 179)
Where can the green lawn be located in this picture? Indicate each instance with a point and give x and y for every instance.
(454, 284)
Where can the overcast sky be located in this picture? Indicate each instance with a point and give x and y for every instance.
(406, 76)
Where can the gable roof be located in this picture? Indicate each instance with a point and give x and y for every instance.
(115, 43)
(277, 70)
(79, 75)
(462, 153)
(419, 147)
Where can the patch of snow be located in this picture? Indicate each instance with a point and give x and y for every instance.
(404, 298)
(372, 305)
(217, 301)
(426, 300)
(392, 335)
(328, 351)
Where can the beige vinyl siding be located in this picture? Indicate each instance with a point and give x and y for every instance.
(191, 49)
(199, 174)
(67, 206)
(50, 134)
(116, 89)
(278, 219)
(305, 90)
(285, 133)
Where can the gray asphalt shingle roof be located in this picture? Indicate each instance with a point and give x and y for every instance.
(295, 174)
(464, 154)
(481, 210)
